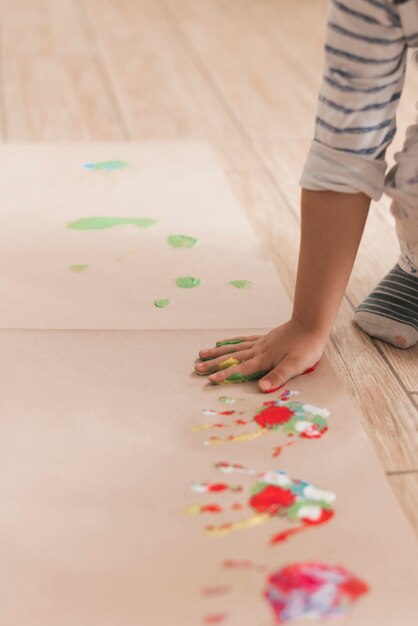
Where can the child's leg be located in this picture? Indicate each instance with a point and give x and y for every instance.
(390, 312)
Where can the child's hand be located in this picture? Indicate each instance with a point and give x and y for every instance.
(285, 352)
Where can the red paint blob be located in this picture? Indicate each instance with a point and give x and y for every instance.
(310, 369)
(211, 508)
(275, 389)
(273, 416)
(283, 536)
(354, 588)
(271, 499)
(325, 516)
(279, 449)
(313, 432)
(215, 618)
(218, 487)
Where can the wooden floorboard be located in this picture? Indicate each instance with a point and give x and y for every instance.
(51, 88)
(406, 490)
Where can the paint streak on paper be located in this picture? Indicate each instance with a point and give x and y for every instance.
(101, 223)
(225, 529)
(240, 284)
(312, 591)
(279, 449)
(182, 241)
(78, 269)
(213, 413)
(214, 592)
(214, 487)
(250, 436)
(229, 468)
(215, 618)
(105, 166)
(243, 564)
(195, 509)
(187, 282)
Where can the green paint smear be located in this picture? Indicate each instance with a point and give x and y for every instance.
(187, 282)
(105, 166)
(229, 342)
(100, 223)
(241, 284)
(239, 378)
(182, 241)
(78, 268)
(161, 304)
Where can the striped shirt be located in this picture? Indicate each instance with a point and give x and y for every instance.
(365, 62)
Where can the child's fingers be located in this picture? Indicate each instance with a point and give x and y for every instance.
(235, 340)
(213, 353)
(244, 369)
(288, 368)
(208, 367)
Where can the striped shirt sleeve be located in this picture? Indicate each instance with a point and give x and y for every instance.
(365, 62)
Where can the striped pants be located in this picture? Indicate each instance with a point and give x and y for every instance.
(366, 53)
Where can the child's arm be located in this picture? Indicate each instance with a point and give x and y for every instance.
(332, 226)
(365, 59)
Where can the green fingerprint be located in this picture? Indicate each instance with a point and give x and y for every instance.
(78, 268)
(161, 304)
(229, 342)
(182, 241)
(105, 166)
(241, 284)
(187, 282)
(240, 378)
(100, 223)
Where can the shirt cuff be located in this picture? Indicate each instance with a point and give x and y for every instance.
(328, 169)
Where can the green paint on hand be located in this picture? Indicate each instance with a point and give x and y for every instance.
(240, 378)
(161, 304)
(182, 241)
(187, 282)
(78, 268)
(240, 284)
(100, 223)
(229, 342)
(105, 166)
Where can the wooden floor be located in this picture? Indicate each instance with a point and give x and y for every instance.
(242, 75)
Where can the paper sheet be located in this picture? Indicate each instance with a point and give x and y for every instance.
(98, 454)
(59, 277)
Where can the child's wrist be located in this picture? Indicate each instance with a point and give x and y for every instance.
(319, 328)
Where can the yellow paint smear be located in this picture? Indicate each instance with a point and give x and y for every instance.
(251, 522)
(228, 363)
(242, 437)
